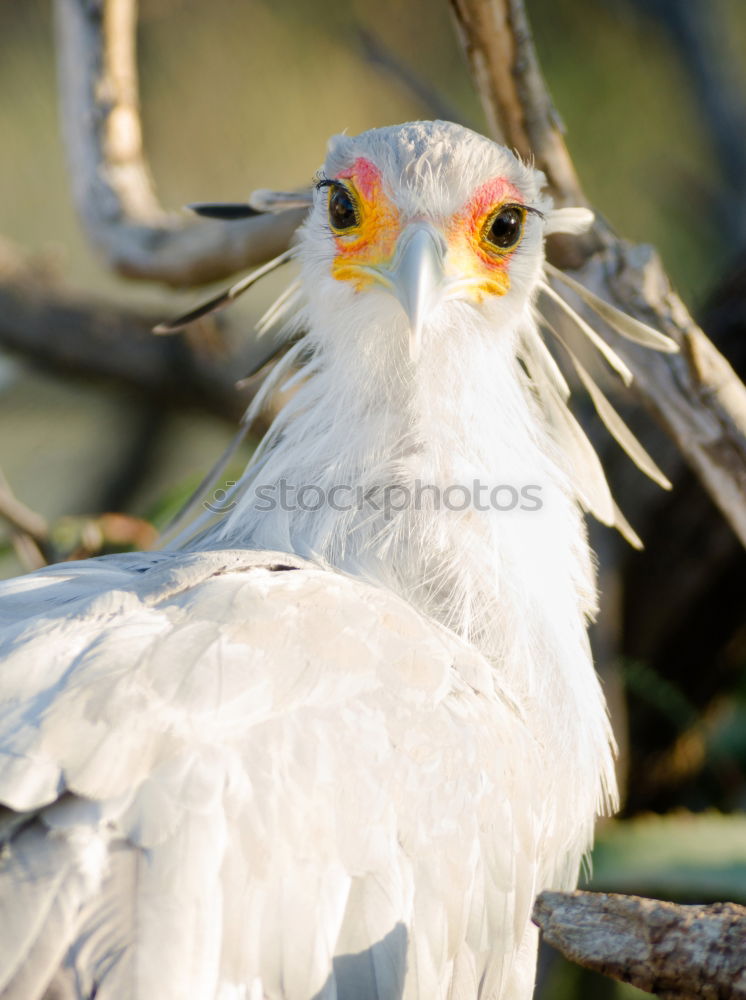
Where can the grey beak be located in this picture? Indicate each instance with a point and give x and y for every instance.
(417, 278)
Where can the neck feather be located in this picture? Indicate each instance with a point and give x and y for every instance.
(438, 481)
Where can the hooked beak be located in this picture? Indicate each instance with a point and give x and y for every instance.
(417, 278)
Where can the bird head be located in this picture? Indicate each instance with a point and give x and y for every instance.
(423, 252)
(409, 220)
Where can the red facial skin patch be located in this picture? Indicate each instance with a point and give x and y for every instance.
(373, 241)
(471, 255)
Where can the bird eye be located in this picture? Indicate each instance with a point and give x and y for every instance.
(342, 214)
(504, 229)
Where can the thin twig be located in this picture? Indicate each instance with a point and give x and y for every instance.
(29, 533)
(21, 517)
(378, 54)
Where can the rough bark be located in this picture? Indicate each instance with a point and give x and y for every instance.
(496, 38)
(676, 952)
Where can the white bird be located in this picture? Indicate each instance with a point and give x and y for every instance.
(336, 746)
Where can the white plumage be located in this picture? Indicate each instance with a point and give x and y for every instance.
(335, 753)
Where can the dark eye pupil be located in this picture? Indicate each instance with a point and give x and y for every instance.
(341, 209)
(506, 228)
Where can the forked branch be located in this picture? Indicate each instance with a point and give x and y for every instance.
(112, 187)
(29, 531)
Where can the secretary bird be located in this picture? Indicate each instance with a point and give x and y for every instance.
(334, 743)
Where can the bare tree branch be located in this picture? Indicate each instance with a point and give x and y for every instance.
(60, 333)
(696, 394)
(21, 517)
(497, 40)
(111, 183)
(676, 952)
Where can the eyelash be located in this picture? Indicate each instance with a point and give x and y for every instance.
(529, 209)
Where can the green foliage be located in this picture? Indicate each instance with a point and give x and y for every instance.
(685, 857)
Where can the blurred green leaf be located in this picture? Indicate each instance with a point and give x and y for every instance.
(681, 856)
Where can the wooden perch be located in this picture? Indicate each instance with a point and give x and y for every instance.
(111, 182)
(676, 952)
(695, 394)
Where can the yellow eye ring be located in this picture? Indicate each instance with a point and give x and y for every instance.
(503, 229)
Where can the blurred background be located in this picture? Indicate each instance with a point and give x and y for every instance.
(239, 94)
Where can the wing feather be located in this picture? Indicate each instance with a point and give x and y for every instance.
(251, 797)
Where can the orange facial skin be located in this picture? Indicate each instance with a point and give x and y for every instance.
(470, 254)
(373, 242)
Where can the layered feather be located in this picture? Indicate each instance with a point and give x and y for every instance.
(200, 826)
